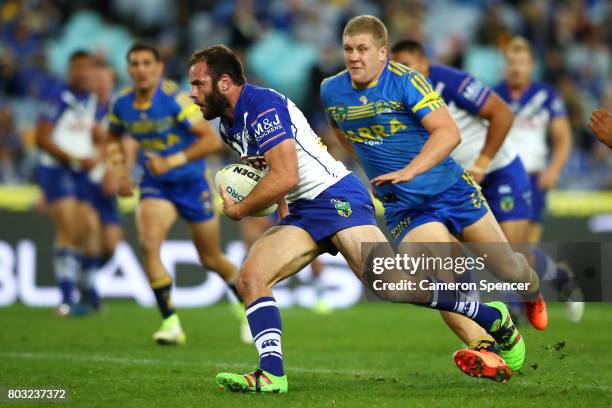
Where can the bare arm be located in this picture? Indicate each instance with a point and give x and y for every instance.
(561, 135)
(601, 124)
(341, 136)
(500, 118)
(443, 138)
(118, 163)
(282, 178)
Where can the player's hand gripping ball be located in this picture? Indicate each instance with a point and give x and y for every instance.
(238, 180)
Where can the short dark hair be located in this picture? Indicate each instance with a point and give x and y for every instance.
(79, 54)
(408, 46)
(144, 46)
(220, 60)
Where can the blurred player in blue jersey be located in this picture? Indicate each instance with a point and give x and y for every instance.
(66, 131)
(105, 223)
(484, 120)
(329, 210)
(400, 130)
(538, 111)
(173, 139)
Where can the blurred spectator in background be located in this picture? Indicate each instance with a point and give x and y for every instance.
(10, 147)
(571, 41)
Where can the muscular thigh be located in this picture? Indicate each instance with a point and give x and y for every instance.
(63, 212)
(434, 240)
(154, 217)
(205, 235)
(487, 237)
(349, 242)
(516, 231)
(281, 252)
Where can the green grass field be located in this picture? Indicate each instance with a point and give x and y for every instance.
(371, 355)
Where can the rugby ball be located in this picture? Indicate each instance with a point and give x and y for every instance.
(238, 180)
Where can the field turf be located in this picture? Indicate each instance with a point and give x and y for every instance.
(371, 355)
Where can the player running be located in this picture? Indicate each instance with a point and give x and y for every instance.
(484, 120)
(539, 110)
(66, 131)
(329, 211)
(105, 224)
(401, 132)
(173, 139)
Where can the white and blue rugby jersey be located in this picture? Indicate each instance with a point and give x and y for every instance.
(74, 116)
(262, 119)
(465, 96)
(383, 123)
(533, 112)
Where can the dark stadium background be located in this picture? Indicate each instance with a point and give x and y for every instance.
(291, 46)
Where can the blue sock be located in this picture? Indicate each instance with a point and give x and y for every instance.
(66, 287)
(549, 270)
(265, 323)
(541, 262)
(66, 265)
(459, 302)
(562, 277)
(91, 265)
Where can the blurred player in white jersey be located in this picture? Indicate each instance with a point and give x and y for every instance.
(538, 112)
(65, 134)
(105, 223)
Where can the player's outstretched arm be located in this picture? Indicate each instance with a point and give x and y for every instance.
(119, 162)
(500, 118)
(282, 178)
(601, 124)
(561, 138)
(443, 138)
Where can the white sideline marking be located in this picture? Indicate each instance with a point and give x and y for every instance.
(146, 361)
(169, 362)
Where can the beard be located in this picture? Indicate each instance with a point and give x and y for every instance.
(216, 105)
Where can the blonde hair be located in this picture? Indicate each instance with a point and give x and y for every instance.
(519, 44)
(366, 24)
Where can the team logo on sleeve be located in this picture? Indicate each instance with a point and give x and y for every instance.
(339, 113)
(267, 124)
(343, 207)
(473, 90)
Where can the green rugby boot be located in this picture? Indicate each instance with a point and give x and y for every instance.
(509, 340)
(257, 381)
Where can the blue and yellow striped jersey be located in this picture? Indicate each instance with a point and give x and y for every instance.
(162, 126)
(383, 123)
